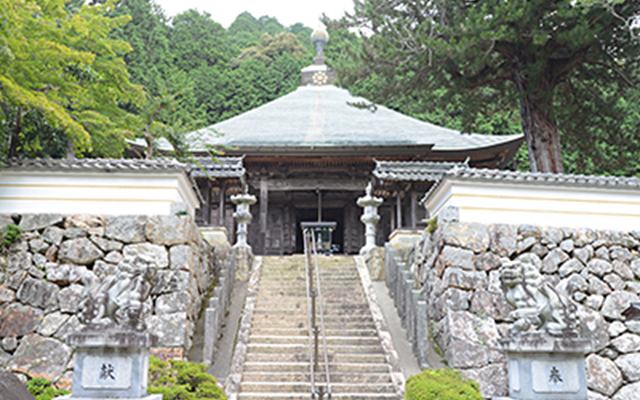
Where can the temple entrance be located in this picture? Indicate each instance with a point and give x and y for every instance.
(328, 215)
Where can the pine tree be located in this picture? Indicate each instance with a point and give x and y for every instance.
(567, 65)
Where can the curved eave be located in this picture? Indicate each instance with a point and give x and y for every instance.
(496, 156)
(370, 151)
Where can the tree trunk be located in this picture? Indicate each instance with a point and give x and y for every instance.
(13, 136)
(71, 150)
(149, 151)
(539, 126)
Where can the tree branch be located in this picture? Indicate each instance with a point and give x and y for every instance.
(560, 66)
(614, 69)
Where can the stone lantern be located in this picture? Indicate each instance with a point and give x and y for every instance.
(241, 250)
(370, 218)
(242, 216)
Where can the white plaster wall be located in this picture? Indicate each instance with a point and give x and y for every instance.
(97, 192)
(550, 205)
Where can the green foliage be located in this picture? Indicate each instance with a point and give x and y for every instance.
(9, 235)
(271, 47)
(441, 384)
(197, 41)
(42, 389)
(432, 225)
(150, 60)
(67, 66)
(567, 68)
(72, 74)
(182, 380)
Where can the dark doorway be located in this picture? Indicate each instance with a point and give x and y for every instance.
(328, 215)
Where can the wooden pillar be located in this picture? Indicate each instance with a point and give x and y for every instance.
(264, 209)
(398, 209)
(221, 204)
(206, 208)
(414, 208)
(392, 220)
(319, 205)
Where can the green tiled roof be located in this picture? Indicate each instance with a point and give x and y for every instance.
(324, 117)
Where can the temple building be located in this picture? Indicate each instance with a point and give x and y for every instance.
(309, 155)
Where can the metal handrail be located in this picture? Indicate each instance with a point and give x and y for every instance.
(324, 336)
(308, 277)
(311, 311)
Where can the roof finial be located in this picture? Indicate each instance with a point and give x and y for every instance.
(319, 38)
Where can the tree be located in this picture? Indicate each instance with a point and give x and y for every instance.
(244, 31)
(303, 33)
(65, 68)
(561, 62)
(270, 47)
(149, 62)
(198, 41)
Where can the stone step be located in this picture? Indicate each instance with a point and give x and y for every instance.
(295, 319)
(277, 359)
(303, 376)
(355, 358)
(350, 293)
(331, 340)
(304, 387)
(335, 396)
(329, 301)
(324, 283)
(302, 324)
(305, 332)
(293, 348)
(334, 367)
(302, 306)
(325, 275)
(327, 311)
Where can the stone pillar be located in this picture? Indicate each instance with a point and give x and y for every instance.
(370, 218)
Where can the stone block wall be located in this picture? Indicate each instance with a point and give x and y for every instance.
(44, 276)
(447, 289)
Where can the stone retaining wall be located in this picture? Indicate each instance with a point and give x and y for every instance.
(447, 290)
(44, 276)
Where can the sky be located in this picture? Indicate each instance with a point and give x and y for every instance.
(287, 12)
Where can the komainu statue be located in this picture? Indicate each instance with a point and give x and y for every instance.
(538, 305)
(119, 300)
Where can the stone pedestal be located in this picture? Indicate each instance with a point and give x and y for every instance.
(111, 364)
(243, 261)
(542, 367)
(370, 218)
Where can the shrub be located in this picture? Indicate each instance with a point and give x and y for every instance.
(182, 380)
(441, 384)
(42, 389)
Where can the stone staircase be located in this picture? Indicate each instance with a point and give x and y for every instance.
(277, 355)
